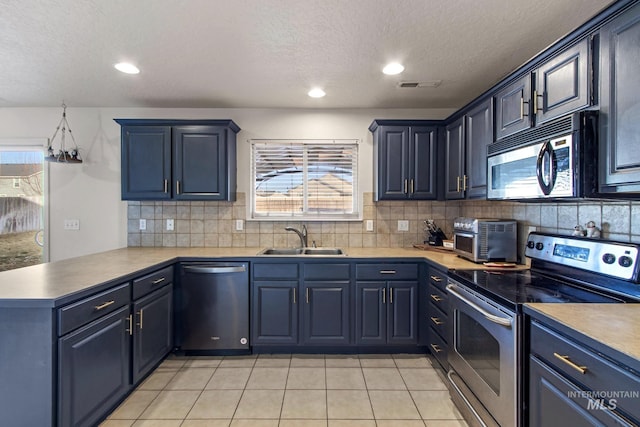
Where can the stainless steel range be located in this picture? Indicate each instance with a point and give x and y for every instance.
(486, 336)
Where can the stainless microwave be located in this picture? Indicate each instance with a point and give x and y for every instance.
(557, 160)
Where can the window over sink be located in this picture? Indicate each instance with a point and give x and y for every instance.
(304, 179)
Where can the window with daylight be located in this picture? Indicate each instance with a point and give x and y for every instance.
(304, 179)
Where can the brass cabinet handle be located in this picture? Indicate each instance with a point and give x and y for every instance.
(130, 330)
(436, 278)
(177, 187)
(536, 107)
(140, 314)
(437, 321)
(565, 359)
(387, 272)
(523, 114)
(155, 282)
(405, 185)
(294, 296)
(384, 295)
(436, 348)
(390, 295)
(411, 186)
(307, 295)
(436, 298)
(166, 185)
(464, 182)
(457, 184)
(104, 305)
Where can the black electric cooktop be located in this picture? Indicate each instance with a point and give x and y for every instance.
(514, 288)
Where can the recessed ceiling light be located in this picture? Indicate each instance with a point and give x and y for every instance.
(316, 93)
(127, 68)
(393, 68)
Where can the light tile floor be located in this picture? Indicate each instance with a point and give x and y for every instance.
(400, 390)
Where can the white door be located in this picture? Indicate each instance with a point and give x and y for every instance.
(23, 205)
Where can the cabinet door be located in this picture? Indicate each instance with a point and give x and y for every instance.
(200, 162)
(93, 369)
(153, 331)
(402, 313)
(513, 108)
(275, 312)
(454, 160)
(479, 134)
(146, 162)
(562, 84)
(325, 312)
(422, 159)
(620, 104)
(554, 401)
(392, 155)
(371, 313)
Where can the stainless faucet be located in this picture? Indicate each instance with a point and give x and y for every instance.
(301, 234)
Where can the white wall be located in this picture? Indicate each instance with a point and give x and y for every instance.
(90, 192)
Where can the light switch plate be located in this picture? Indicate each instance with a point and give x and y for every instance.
(239, 225)
(143, 224)
(169, 225)
(403, 225)
(72, 224)
(369, 225)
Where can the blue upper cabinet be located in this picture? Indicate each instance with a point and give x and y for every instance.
(178, 159)
(558, 86)
(620, 105)
(404, 159)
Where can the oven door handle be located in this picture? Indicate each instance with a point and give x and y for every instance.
(504, 321)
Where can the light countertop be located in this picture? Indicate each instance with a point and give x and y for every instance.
(47, 284)
(616, 326)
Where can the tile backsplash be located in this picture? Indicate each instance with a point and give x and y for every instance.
(212, 224)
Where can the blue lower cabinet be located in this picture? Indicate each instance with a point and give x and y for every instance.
(94, 368)
(325, 313)
(274, 312)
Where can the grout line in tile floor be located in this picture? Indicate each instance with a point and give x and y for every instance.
(430, 414)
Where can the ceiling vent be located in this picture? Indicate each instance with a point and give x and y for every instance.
(432, 83)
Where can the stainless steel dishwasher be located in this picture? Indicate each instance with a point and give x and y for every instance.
(212, 307)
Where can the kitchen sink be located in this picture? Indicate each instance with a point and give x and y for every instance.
(302, 251)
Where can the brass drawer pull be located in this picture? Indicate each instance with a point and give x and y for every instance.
(387, 272)
(436, 348)
(565, 359)
(140, 324)
(437, 321)
(155, 282)
(436, 298)
(436, 278)
(105, 305)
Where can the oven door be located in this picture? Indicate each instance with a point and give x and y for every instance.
(483, 352)
(543, 170)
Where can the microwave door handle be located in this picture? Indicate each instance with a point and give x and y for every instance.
(544, 186)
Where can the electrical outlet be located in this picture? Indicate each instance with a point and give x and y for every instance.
(143, 224)
(169, 225)
(369, 225)
(403, 225)
(239, 225)
(72, 224)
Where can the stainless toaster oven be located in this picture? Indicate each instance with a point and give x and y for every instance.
(484, 240)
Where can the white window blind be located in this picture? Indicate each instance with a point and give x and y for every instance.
(305, 179)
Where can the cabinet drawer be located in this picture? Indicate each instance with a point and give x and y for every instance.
(438, 298)
(438, 321)
(387, 271)
(328, 271)
(151, 282)
(583, 366)
(438, 279)
(84, 311)
(274, 271)
(438, 348)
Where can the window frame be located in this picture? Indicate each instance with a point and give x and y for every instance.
(356, 204)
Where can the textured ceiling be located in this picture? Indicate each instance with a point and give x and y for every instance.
(269, 53)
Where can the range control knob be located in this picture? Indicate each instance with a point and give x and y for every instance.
(531, 244)
(609, 258)
(625, 261)
(539, 246)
